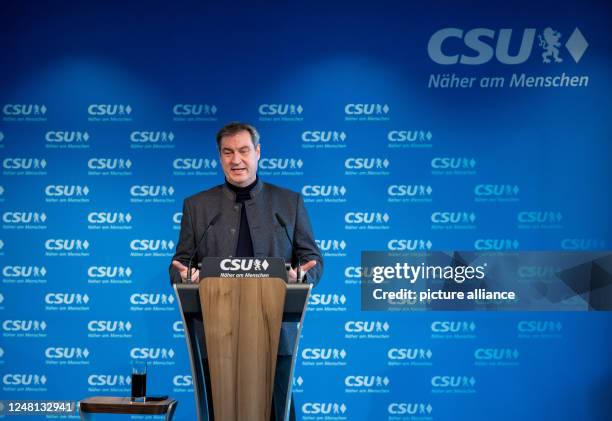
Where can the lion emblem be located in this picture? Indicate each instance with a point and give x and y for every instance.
(550, 43)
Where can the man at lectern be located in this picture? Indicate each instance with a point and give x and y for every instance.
(245, 217)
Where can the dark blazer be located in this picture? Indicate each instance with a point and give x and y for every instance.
(269, 237)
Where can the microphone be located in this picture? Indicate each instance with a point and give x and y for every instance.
(282, 223)
(204, 235)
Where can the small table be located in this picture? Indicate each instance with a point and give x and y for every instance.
(115, 405)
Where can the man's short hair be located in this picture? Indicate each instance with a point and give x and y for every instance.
(235, 127)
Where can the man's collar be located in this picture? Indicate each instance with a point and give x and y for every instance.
(254, 191)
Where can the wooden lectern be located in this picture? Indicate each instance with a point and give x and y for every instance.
(232, 325)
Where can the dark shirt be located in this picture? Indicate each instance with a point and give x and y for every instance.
(244, 248)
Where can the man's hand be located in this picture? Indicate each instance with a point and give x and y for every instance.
(292, 273)
(195, 273)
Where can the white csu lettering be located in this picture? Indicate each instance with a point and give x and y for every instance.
(480, 41)
(236, 264)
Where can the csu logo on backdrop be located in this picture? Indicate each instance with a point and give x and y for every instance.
(155, 302)
(142, 193)
(112, 220)
(24, 112)
(496, 193)
(453, 220)
(24, 325)
(109, 274)
(55, 193)
(332, 248)
(109, 163)
(582, 244)
(35, 274)
(27, 220)
(151, 191)
(364, 329)
(327, 302)
(194, 166)
(360, 326)
(99, 326)
(325, 408)
(194, 112)
(496, 244)
(280, 112)
(281, 166)
(152, 139)
(539, 329)
(360, 383)
(61, 298)
(366, 112)
(332, 193)
(328, 139)
(77, 355)
(67, 139)
(327, 192)
(185, 164)
(403, 354)
(478, 46)
(539, 219)
(366, 163)
(55, 245)
(138, 353)
(366, 220)
(441, 329)
(151, 248)
(496, 356)
(409, 139)
(453, 382)
(453, 166)
(333, 356)
(24, 109)
(400, 244)
(423, 410)
(182, 381)
(404, 193)
(109, 166)
(24, 166)
(109, 112)
(105, 380)
(109, 109)
(25, 379)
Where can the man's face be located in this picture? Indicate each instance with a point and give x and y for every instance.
(239, 158)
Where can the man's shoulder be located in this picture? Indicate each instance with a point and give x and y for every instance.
(204, 195)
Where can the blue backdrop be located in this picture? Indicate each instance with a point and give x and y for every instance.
(406, 126)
